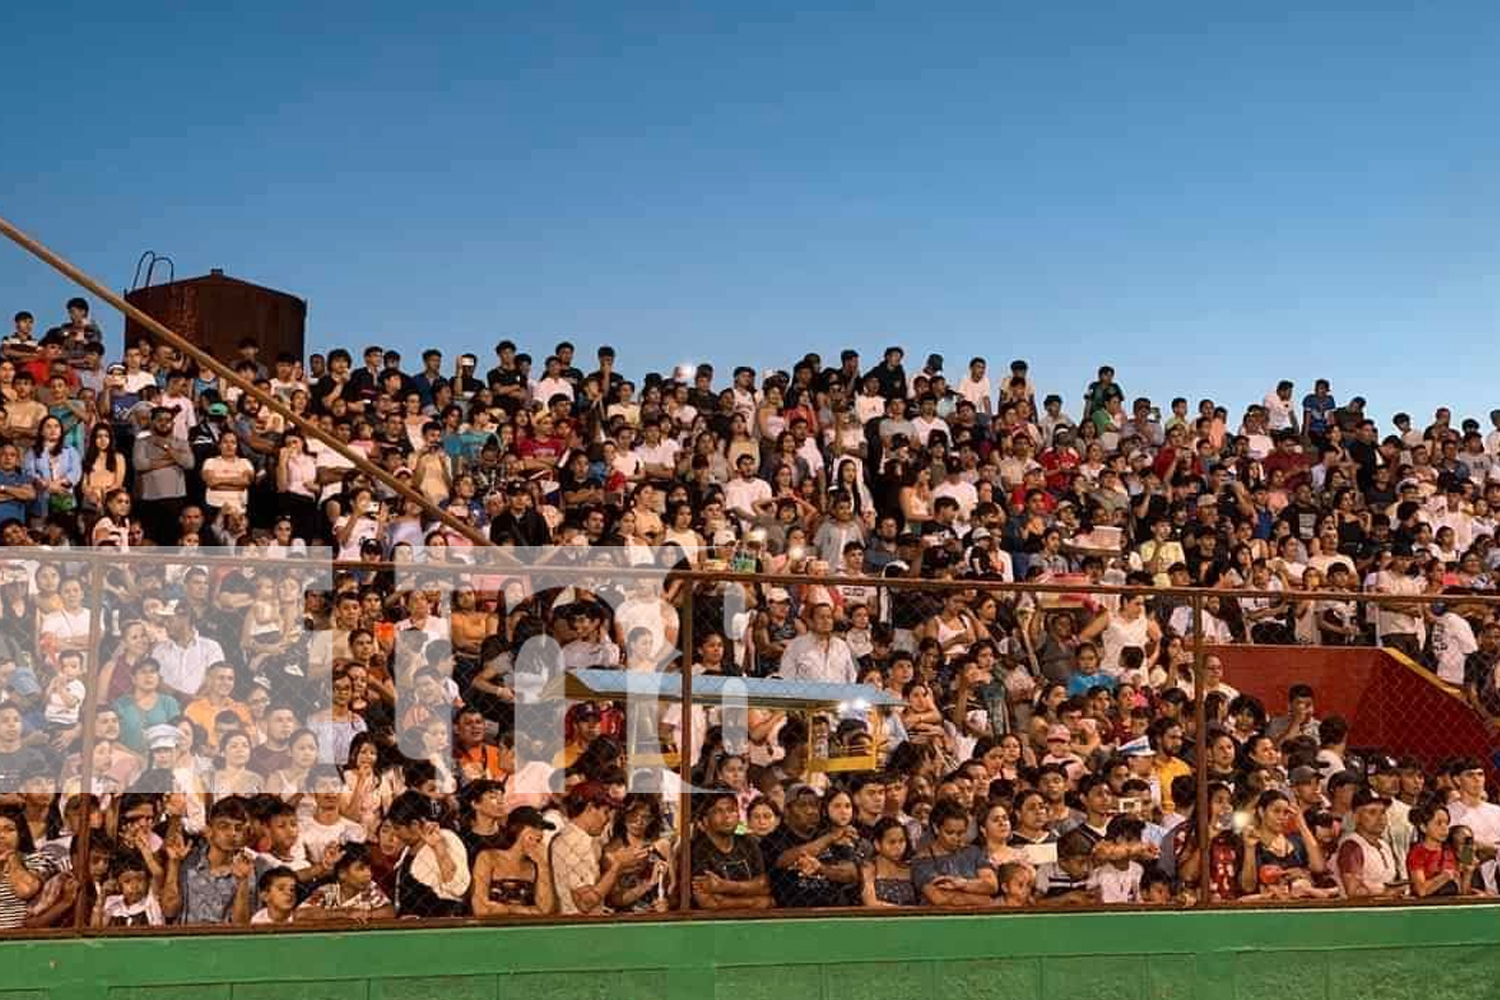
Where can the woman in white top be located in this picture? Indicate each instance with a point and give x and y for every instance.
(297, 482)
(1117, 630)
(114, 527)
(364, 519)
(227, 476)
(916, 498)
(768, 419)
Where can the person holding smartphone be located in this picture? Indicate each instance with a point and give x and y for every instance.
(464, 382)
(1436, 867)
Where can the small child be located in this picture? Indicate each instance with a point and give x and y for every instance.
(352, 896)
(128, 898)
(1156, 887)
(1066, 880)
(65, 692)
(1119, 880)
(1087, 675)
(1017, 885)
(278, 891)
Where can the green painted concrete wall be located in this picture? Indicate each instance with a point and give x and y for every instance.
(1389, 954)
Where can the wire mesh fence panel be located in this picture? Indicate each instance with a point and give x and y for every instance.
(189, 739)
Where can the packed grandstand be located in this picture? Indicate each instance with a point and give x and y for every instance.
(1044, 750)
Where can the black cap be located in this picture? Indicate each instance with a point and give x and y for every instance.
(1366, 797)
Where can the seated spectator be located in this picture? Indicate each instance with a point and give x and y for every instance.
(516, 879)
(948, 871)
(352, 895)
(432, 875)
(728, 871)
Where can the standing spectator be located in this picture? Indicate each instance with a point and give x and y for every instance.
(161, 461)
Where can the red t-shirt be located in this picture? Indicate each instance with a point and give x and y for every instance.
(1431, 861)
(540, 447)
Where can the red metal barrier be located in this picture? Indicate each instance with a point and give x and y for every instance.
(1390, 702)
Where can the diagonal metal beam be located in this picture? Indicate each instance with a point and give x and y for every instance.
(56, 261)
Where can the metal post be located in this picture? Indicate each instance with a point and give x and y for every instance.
(1200, 762)
(684, 760)
(91, 696)
(203, 358)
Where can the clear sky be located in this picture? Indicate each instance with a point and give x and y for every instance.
(1209, 199)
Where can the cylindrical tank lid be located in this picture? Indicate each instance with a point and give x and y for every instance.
(217, 272)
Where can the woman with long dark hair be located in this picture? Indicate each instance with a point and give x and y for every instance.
(113, 527)
(22, 870)
(297, 485)
(104, 467)
(515, 880)
(55, 470)
(646, 884)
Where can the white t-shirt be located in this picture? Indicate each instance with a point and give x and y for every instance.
(1397, 622)
(1483, 820)
(926, 425)
(227, 498)
(1452, 642)
(549, 387)
(1278, 412)
(1115, 885)
(327, 458)
(314, 837)
(741, 495)
(975, 392)
(664, 452)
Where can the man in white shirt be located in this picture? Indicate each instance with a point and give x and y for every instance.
(927, 420)
(963, 493)
(1280, 410)
(975, 387)
(179, 399)
(1399, 625)
(747, 496)
(576, 852)
(819, 655)
(1470, 808)
(185, 655)
(432, 876)
(657, 453)
(1452, 642)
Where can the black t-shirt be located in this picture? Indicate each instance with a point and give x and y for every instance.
(325, 388)
(17, 766)
(742, 863)
(505, 378)
(789, 886)
(476, 842)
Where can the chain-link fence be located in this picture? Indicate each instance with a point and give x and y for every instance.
(194, 739)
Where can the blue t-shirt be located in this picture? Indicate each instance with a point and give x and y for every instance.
(1084, 683)
(1318, 412)
(10, 507)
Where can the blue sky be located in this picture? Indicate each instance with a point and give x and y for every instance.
(1209, 200)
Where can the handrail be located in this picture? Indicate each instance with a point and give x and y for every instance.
(203, 358)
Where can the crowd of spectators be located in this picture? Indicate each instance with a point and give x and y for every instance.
(268, 750)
